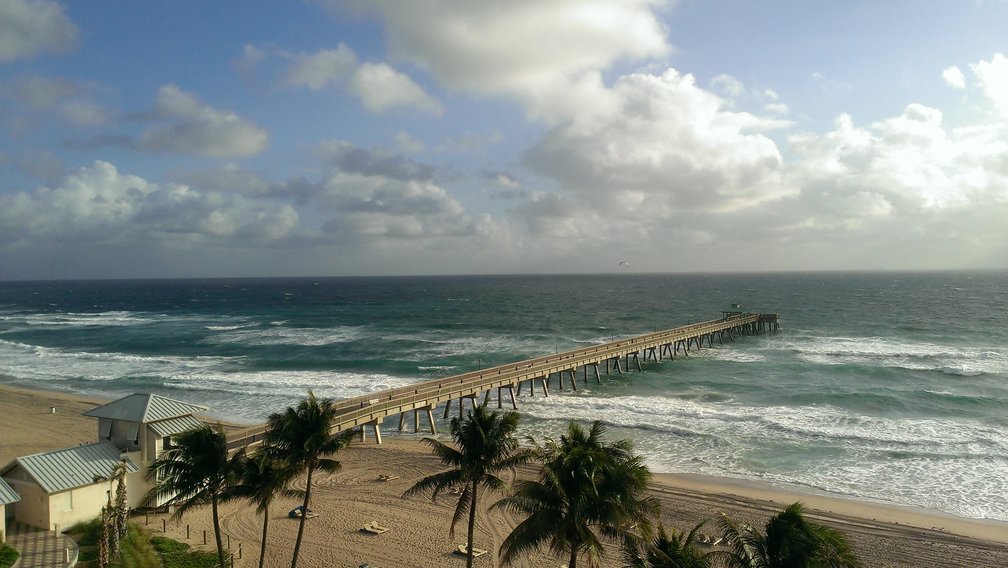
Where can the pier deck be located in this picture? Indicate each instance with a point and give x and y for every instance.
(372, 408)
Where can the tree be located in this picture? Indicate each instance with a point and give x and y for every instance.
(121, 509)
(485, 446)
(264, 475)
(303, 435)
(587, 491)
(196, 471)
(670, 550)
(789, 541)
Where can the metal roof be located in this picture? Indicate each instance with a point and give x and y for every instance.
(70, 468)
(144, 408)
(175, 425)
(7, 495)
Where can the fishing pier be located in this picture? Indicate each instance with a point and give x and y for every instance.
(532, 375)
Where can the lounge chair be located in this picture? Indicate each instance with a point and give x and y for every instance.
(374, 528)
(716, 540)
(295, 513)
(462, 550)
(384, 477)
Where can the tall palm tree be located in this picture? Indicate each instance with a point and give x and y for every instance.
(789, 541)
(303, 435)
(195, 471)
(587, 491)
(670, 550)
(485, 446)
(264, 475)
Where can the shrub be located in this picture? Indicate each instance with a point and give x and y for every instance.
(7, 556)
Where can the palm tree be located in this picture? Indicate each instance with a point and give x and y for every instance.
(789, 541)
(486, 446)
(303, 436)
(264, 475)
(587, 491)
(195, 471)
(670, 550)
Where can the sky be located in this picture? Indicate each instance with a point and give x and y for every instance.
(388, 137)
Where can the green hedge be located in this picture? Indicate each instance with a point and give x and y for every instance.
(7, 556)
(177, 554)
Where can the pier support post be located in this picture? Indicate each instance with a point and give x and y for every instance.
(514, 403)
(598, 378)
(573, 377)
(376, 424)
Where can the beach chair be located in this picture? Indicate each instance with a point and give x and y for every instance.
(296, 512)
(374, 528)
(462, 550)
(384, 477)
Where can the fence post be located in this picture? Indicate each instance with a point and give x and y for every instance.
(187, 531)
(239, 551)
(204, 536)
(164, 525)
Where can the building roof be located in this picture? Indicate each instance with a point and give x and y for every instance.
(174, 426)
(70, 468)
(7, 495)
(144, 408)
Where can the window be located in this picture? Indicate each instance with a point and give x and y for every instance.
(133, 434)
(105, 428)
(166, 443)
(68, 501)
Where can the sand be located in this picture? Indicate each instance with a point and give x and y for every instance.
(882, 535)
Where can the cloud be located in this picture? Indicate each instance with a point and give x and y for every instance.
(98, 206)
(71, 101)
(954, 77)
(408, 143)
(325, 68)
(831, 86)
(662, 139)
(376, 162)
(728, 85)
(185, 125)
(380, 87)
(30, 27)
(377, 86)
(522, 47)
(993, 79)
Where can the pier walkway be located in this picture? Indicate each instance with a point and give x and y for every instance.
(533, 374)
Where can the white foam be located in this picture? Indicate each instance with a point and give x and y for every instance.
(279, 335)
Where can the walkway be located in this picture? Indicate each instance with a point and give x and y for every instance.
(41, 549)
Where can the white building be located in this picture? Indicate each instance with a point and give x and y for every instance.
(55, 490)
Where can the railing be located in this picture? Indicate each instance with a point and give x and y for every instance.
(366, 408)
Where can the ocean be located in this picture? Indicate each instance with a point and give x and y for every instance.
(884, 386)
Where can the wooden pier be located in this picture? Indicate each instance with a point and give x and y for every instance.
(531, 374)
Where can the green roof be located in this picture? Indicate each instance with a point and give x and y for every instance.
(70, 468)
(7, 495)
(144, 408)
(174, 426)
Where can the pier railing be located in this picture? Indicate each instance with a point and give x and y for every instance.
(371, 408)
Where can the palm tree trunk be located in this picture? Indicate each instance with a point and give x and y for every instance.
(573, 558)
(472, 524)
(262, 547)
(216, 530)
(304, 516)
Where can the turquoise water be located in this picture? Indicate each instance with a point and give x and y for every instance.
(889, 386)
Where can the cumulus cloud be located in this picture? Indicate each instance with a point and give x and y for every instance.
(502, 47)
(30, 27)
(185, 125)
(325, 68)
(376, 162)
(993, 79)
(98, 205)
(661, 136)
(377, 86)
(954, 77)
(380, 87)
(60, 97)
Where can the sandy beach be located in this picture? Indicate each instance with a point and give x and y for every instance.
(882, 535)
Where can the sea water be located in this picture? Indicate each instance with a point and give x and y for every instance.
(886, 386)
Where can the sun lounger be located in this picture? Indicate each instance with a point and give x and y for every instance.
(384, 477)
(463, 551)
(295, 513)
(715, 541)
(374, 528)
